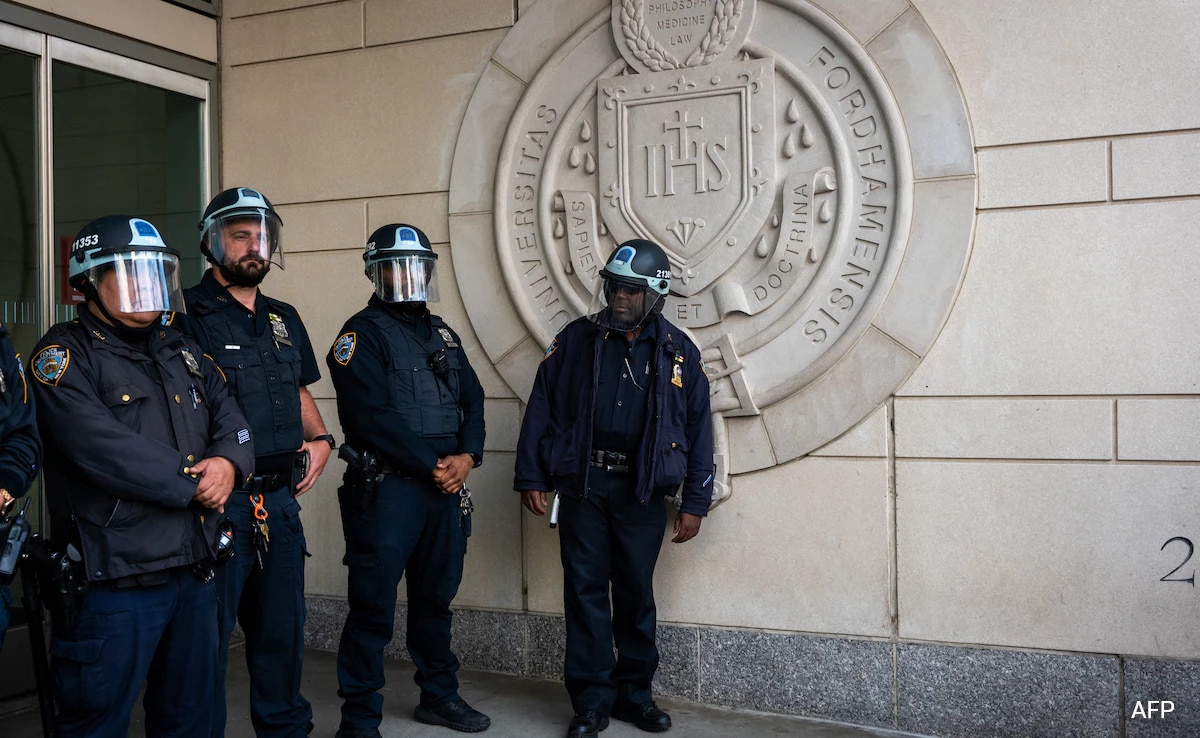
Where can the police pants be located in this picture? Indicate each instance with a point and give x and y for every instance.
(609, 538)
(269, 605)
(412, 530)
(164, 636)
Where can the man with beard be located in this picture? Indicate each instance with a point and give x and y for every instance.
(264, 351)
(412, 409)
(617, 420)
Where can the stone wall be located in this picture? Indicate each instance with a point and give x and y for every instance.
(984, 553)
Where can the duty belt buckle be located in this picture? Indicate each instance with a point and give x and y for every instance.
(464, 501)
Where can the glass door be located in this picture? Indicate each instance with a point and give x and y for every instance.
(124, 136)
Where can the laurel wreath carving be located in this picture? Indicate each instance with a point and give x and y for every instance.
(647, 49)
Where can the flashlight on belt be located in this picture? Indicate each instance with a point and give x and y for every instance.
(554, 512)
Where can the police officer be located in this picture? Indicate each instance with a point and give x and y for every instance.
(412, 410)
(20, 446)
(617, 420)
(143, 447)
(264, 351)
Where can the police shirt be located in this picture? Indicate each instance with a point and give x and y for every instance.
(388, 396)
(266, 356)
(122, 427)
(20, 446)
(621, 390)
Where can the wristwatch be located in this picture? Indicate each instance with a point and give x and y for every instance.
(327, 438)
(475, 458)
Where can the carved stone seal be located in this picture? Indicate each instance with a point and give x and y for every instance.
(760, 145)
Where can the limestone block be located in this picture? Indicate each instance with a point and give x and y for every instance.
(393, 21)
(851, 390)
(302, 32)
(492, 574)
(426, 211)
(525, 49)
(330, 140)
(327, 287)
(1073, 301)
(1156, 166)
(1038, 71)
(922, 79)
(931, 271)
(239, 8)
(523, 6)
(472, 239)
(472, 178)
(1048, 556)
(503, 425)
(1043, 175)
(868, 438)
(320, 226)
(1004, 428)
(1158, 430)
(863, 18)
(543, 567)
(749, 445)
(324, 574)
(802, 546)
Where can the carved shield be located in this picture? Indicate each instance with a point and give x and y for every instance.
(687, 161)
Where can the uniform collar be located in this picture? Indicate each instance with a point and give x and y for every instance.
(224, 298)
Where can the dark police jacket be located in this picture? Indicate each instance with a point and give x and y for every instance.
(265, 367)
(553, 451)
(120, 427)
(389, 398)
(20, 447)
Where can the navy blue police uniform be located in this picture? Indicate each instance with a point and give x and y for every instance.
(20, 446)
(614, 427)
(391, 402)
(122, 425)
(267, 357)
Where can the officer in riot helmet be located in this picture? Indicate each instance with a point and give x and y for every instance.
(633, 287)
(618, 419)
(263, 348)
(410, 402)
(143, 447)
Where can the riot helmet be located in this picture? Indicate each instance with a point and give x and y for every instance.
(633, 286)
(401, 264)
(241, 234)
(122, 263)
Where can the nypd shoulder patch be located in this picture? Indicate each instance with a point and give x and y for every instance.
(50, 364)
(343, 348)
(551, 349)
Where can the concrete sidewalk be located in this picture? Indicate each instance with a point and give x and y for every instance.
(519, 708)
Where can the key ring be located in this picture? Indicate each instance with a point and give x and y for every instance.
(260, 512)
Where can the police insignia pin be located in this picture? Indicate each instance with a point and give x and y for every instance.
(677, 372)
(448, 338)
(343, 349)
(50, 364)
(193, 366)
(279, 330)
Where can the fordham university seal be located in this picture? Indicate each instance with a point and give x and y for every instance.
(816, 217)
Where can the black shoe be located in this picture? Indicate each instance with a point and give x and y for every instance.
(453, 713)
(348, 732)
(587, 724)
(646, 716)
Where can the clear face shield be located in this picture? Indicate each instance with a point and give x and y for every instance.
(405, 278)
(138, 282)
(238, 239)
(621, 306)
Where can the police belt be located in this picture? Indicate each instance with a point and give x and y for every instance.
(139, 581)
(387, 466)
(618, 462)
(261, 483)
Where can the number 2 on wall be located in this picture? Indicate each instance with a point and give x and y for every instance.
(1191, 549)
